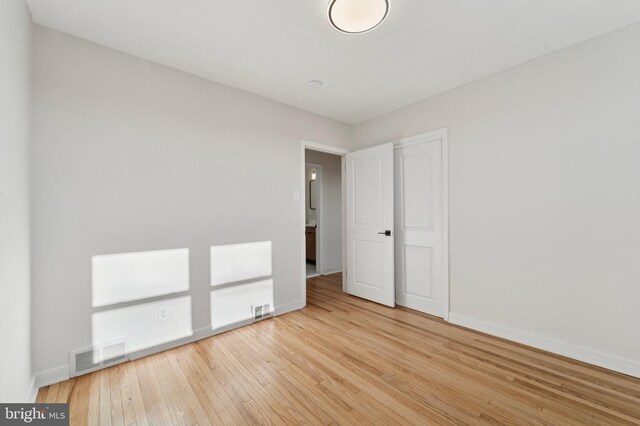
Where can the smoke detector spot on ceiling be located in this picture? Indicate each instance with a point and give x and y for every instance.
(314, 84)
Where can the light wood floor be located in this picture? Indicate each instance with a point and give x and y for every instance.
(343, 360)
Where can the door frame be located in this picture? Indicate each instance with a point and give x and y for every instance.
(319, 218)
(442, 135)
(329, 149)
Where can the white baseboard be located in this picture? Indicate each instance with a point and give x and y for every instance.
(32, 391)
(331, 271)
(206, 332)
(61, 373)
(289, 307)
(51, 376)
(611, 362)
(198, 334)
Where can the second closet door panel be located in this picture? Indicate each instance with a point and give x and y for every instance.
(419, 236)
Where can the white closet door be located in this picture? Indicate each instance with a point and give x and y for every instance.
(419, 225)
(369, 195)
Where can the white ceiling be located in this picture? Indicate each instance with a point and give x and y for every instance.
(272, 48)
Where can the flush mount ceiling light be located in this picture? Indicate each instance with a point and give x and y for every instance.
(357, 16)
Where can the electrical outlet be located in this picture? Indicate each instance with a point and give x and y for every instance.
(162, 313)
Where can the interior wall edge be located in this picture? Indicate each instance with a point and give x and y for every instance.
(52, 375)
(32, 392)
(16, 127)
(288, 307)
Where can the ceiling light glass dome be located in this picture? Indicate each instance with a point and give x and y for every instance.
(357, 16)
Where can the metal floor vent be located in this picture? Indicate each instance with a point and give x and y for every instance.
(84, 361)
(262, 311)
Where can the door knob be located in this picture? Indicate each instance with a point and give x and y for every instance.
(386, 233)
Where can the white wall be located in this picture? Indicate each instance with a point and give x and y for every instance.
(131, 156)
(544, 197)
(15, 122)
(331, 226)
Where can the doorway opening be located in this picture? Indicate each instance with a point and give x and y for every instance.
(313, 209)
(322, 211)
(394, 232)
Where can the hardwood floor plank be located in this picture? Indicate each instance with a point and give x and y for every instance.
(65, 391)
(258, 403)
(241, 361)
(446, 379)
(199, 374)
(290, 391)
(117, 412)
(171, 395)
(93, 401)
(105, 398)
(226, 384)
(42, 395)
(344, 360)
(78, 402)
(274, 383)
(131, 375)
(155, 408)
(204, 414)
(126, 395)
(52, 393)
(370, 382)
